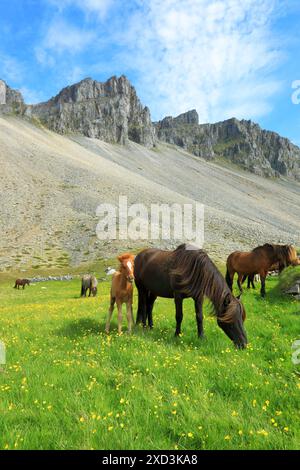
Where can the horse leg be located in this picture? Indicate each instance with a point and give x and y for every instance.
(199, 316)
(110, 312)
(150, 302)
(252, 282)
(263, 285)
(90, 289)
(178, 305)
(229, 278)
(120, 318)
(142, 305)
(239, 282)
(244, 279)
(130, 320)
(139, 313)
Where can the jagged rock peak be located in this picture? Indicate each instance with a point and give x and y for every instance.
(10, 100)
(92, 89)
(110, 111)
(190, 117)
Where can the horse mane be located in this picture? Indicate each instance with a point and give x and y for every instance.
(195, 274)
(285, 254)
(123, 257)
(266, 247)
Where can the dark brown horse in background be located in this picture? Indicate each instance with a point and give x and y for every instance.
(259, 261)
(187, 272)
(21, 283)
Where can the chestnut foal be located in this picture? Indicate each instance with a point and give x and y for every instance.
(122, 291)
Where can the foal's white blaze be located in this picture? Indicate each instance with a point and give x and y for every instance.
(129, 264)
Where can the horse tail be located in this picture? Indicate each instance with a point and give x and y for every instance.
(228, 279)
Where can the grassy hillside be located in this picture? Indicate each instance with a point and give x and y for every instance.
(67, 385)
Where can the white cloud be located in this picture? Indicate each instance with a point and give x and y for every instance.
(98, 7)
(62, 36)
(43, 57)
(215, 56)
(218, 56)
(61, 44)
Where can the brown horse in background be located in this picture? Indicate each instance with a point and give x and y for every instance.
(122, 291)
(21, 283)
(182, 273)
(259, 261)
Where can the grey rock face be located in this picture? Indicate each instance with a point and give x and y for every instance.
(241, 142)
(109, 111)
(10, 100)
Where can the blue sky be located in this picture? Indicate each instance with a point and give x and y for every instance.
(225, 58)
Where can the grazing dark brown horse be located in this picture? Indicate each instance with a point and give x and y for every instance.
(259, 261)
(21, 283)
(187, 272)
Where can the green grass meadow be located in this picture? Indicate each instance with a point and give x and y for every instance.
(67, 385)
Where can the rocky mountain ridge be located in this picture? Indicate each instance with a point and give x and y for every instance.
(244, 143)
(111, 111)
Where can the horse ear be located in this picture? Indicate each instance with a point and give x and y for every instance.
(227, 300)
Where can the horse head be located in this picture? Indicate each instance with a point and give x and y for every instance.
(94, 291)
(231, 321)
(287, 256)
(94, 284)
(127, 266)
(293, 258)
